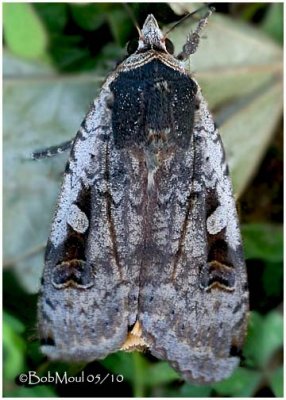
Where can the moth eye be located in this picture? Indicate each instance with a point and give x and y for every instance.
(132, 46)
(169, 46)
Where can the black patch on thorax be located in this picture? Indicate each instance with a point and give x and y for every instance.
(155, 98)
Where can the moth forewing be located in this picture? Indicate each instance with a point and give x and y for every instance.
(145, 249)
(83, 311)
(195, 314)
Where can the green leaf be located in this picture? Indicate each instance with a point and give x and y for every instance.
(242, 383)
(132, 366)
(120, 362)
(13, 323)
(188, 390)
(273, 279)
(160, 373)
(35, 391)
(61, 367)
(263, 241)
(24, 33)
(40, 110)
(265, 336)
(88, 16)
(120, 25)
(54, 16)
(273, 22)
(140, 366)
(13, 347)
(251, 9)
(276, 382)
(68, 52)
(140, 372)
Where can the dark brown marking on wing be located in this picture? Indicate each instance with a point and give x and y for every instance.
(235, 350)
(238, 307)
(226, 170)
(211, 202)
(219, 270)
(74, 273)
(71, 268)
(217, 275)
(218, 249)
(111, 225)
(50, 304)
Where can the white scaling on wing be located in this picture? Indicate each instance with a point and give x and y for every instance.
(183, 192)
(135, 230)
(59, 226)
(197, 186)
(76, 177)
(184, 186)
(70, 189)
(217, 221)
(83, 132)
(225, 215)
(117, 196)
(77, 219)
(195, 238)
(162, 233)
(150, 182)
(102, 235)
(135, 164)
(136, 194)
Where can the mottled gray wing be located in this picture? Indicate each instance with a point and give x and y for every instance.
(89, 291)
(193, 290)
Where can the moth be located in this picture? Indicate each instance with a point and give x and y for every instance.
(145, 251)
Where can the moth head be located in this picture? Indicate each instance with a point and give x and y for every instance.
(151, 36)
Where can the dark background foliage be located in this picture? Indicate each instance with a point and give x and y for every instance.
(68, 42)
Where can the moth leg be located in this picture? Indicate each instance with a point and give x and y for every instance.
(52, 150)
(193, 40)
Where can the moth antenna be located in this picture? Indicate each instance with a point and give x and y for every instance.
(193, 40)
(212, 9)
(132, 16)
(202, 23)
(52, 150)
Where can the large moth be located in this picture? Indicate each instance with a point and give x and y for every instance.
(145, 250)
